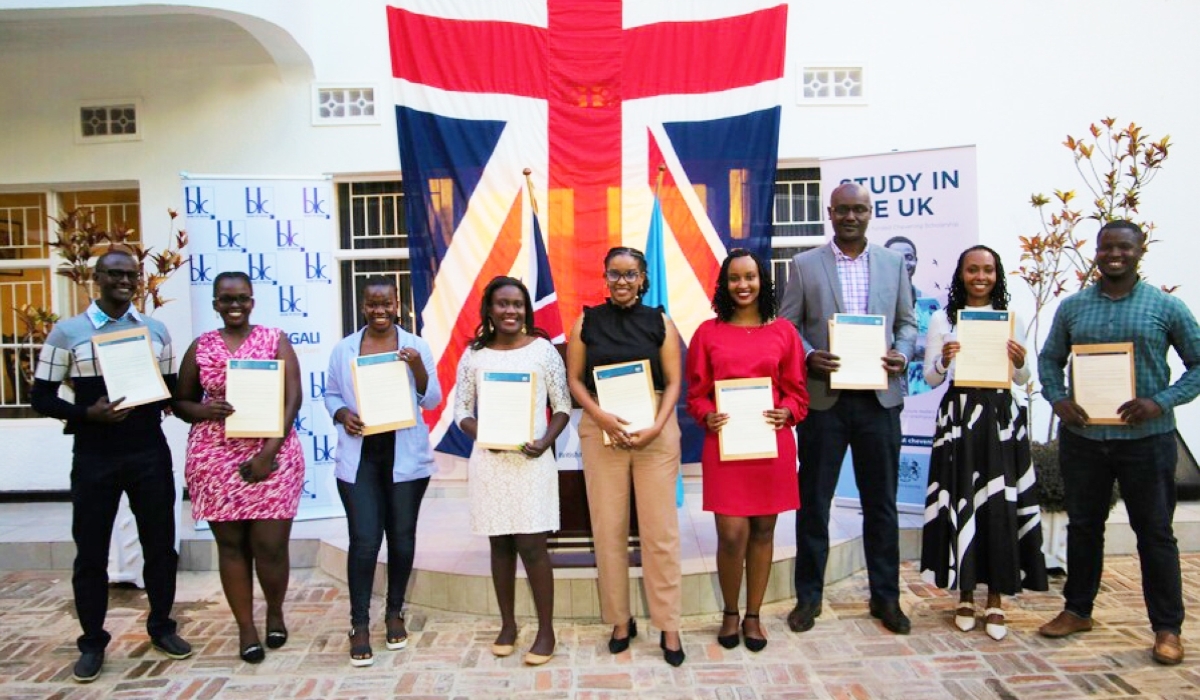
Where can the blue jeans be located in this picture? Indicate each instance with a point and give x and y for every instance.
(1145, 470)
(97, 482)
(872, 433)
(375, 505)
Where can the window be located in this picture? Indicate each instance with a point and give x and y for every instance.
(341, 104)
(373, 241)
(832, 85)
(27, 279)
(109, 120)
(798, 210)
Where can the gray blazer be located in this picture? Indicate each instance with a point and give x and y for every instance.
(813, 295)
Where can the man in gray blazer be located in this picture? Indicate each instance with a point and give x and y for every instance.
(850, 276)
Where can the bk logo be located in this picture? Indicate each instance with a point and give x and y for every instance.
(231, 235)
(289, 303)
(201, 269)
(198, 202)
(313, 204)
(287, 234)
(315, 270)
(316, 386)
(323, 449)
(258, 201)
(261, 268)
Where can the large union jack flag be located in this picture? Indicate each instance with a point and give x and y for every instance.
(596, 97)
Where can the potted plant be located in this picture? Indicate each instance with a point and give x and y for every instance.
(1052, 499)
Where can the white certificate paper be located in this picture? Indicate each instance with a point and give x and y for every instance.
(747, 435)
(255, 390)
(384, 393)
(860, 342)
(1102, 379)
(504, 409)
(983, 360)
(626, 390)
(129, 367)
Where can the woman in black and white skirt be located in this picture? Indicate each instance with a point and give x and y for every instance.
(982, 521)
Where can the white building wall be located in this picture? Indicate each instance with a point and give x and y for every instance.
(1013, 78)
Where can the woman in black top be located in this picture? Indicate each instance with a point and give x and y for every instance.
(624, 330)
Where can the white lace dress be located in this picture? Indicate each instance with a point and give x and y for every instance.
(511, 493)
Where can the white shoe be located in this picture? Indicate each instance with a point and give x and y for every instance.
(964, 617)
(996, 631)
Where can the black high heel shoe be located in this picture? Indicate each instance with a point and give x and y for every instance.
(616, 646)
(755, 644)
(674, 657)
(729, 641)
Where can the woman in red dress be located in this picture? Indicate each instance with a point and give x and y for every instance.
(746, 496)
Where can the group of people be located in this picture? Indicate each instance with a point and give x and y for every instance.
(982, 525)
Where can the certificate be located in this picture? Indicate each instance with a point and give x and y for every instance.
(747, 435)
(504, 409)
(255, 390)
(860, 342)
(626, 390)
(129, 367)
(983, 360)
(1102, 379)
(383, 391)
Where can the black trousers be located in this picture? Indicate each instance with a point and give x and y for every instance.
(97, 483)
(872, 433)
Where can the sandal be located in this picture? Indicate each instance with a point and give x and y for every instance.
(964, 617)
(396, 640)
(360, 654)
(755, 644)
(995, 630)
(729, 641)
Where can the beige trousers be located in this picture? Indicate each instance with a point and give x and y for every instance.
(653, 471)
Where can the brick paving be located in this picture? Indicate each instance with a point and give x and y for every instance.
(847, 656)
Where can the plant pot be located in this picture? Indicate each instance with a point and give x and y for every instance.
(1054, 539)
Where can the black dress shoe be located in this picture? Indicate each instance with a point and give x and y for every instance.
(616, 646)
(803, 616)
(172, 645)
(674, 657)
(276, 638)
(892, 617)
(87, 668)
(729, 641)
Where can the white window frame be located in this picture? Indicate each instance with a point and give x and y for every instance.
(832, 101)
(135, 102)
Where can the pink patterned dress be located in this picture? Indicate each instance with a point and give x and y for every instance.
(217, 490)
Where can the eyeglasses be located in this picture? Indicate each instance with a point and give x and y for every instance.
(627, 275)
(119, 274)
(229, 299)
(844, 209)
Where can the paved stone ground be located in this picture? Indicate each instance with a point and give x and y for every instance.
(847, 656)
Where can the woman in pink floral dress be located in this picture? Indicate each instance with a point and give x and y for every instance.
(248, 489)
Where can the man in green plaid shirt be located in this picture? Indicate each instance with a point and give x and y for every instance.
(1140, 454)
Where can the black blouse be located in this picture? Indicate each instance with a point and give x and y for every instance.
(615, 334)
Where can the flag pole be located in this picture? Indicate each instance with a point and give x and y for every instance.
(662, 168)
(529, 188)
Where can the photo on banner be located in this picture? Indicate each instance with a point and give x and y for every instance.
(281, 233)
(925, 208)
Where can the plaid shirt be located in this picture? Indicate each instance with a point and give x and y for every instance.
(1154, 321)
(855, 277)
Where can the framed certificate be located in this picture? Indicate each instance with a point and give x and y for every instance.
(384, 392)
(255, 390)
(129, 367)
(626, 389)
(504, 409)
(983, 360)
(1102, 379)
(747, 435)
(859, 341)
